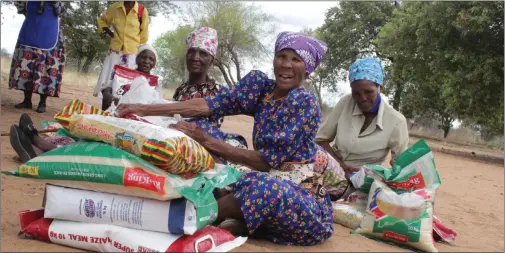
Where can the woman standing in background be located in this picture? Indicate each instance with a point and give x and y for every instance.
(39, 57)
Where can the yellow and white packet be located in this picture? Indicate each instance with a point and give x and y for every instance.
(405, 219)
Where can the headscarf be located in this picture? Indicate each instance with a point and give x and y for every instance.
(370, 69)
(147, 47)
(310, 49)
(203, 38)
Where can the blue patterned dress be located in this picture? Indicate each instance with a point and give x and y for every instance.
(284, 132)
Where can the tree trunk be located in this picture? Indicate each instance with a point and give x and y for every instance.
(231, 76)
(236, 61)
(447, 125)
(87, 63)
(446, 131)
(225, 75)
(317, 88)
(79, 64)
(397, 95)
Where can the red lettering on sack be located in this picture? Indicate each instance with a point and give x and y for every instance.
(146, 249)
(138, 177)
(100, 240)
(121, 247)
(95, 130)
(396, 237)
(413, 182)
(80, 238)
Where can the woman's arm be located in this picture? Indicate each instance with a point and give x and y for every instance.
(251, 158)
(188, 109)
(399, 140)
(328, 129)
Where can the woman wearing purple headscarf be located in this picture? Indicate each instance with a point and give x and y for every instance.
(283, 198)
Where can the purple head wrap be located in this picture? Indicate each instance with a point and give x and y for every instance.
(310, 49)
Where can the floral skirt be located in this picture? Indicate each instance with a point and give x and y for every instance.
(282, 211)
(38, 69)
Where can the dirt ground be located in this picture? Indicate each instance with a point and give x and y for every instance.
(470, 199)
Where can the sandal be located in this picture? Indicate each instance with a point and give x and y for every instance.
(26, 125)
(235, 227)
(21, 144)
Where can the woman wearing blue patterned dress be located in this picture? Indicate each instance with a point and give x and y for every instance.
(283, 198)
(39, 56)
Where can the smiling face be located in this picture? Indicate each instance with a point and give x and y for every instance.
(146, 61)
(364, 93)
(198, 61)
(289, 70)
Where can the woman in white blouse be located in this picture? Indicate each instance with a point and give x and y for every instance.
(363, 127)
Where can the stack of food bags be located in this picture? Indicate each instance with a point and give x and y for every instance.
(102, 196)
(396, 204)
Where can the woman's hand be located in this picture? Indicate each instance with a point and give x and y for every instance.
(193, 131)
(348, 170)
(125, 109)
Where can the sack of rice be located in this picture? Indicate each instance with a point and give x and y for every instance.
(178, 216)
(100, 167)
(110, 238)
(348, 214)
(405, 218)
(169, 149)
(413, 169)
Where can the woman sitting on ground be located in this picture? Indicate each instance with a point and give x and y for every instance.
(364, 128)
(24, 137)
(283, 193)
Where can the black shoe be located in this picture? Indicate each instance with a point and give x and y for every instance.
(24, 105)
(26, 125)
(41, 108)
(21, 144)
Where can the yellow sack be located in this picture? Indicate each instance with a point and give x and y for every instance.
(169, 149)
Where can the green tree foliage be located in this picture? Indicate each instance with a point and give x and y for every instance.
(172, 54)
(451, 56)
(350, 30)
(79, 23)
(323, 76)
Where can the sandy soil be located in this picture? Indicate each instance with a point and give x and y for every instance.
(470, 199)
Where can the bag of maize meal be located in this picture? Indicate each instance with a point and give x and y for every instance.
(110, 238)
(100, 167)
(177, 216)
(403, 218)
(167, 148)
(413, 169)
